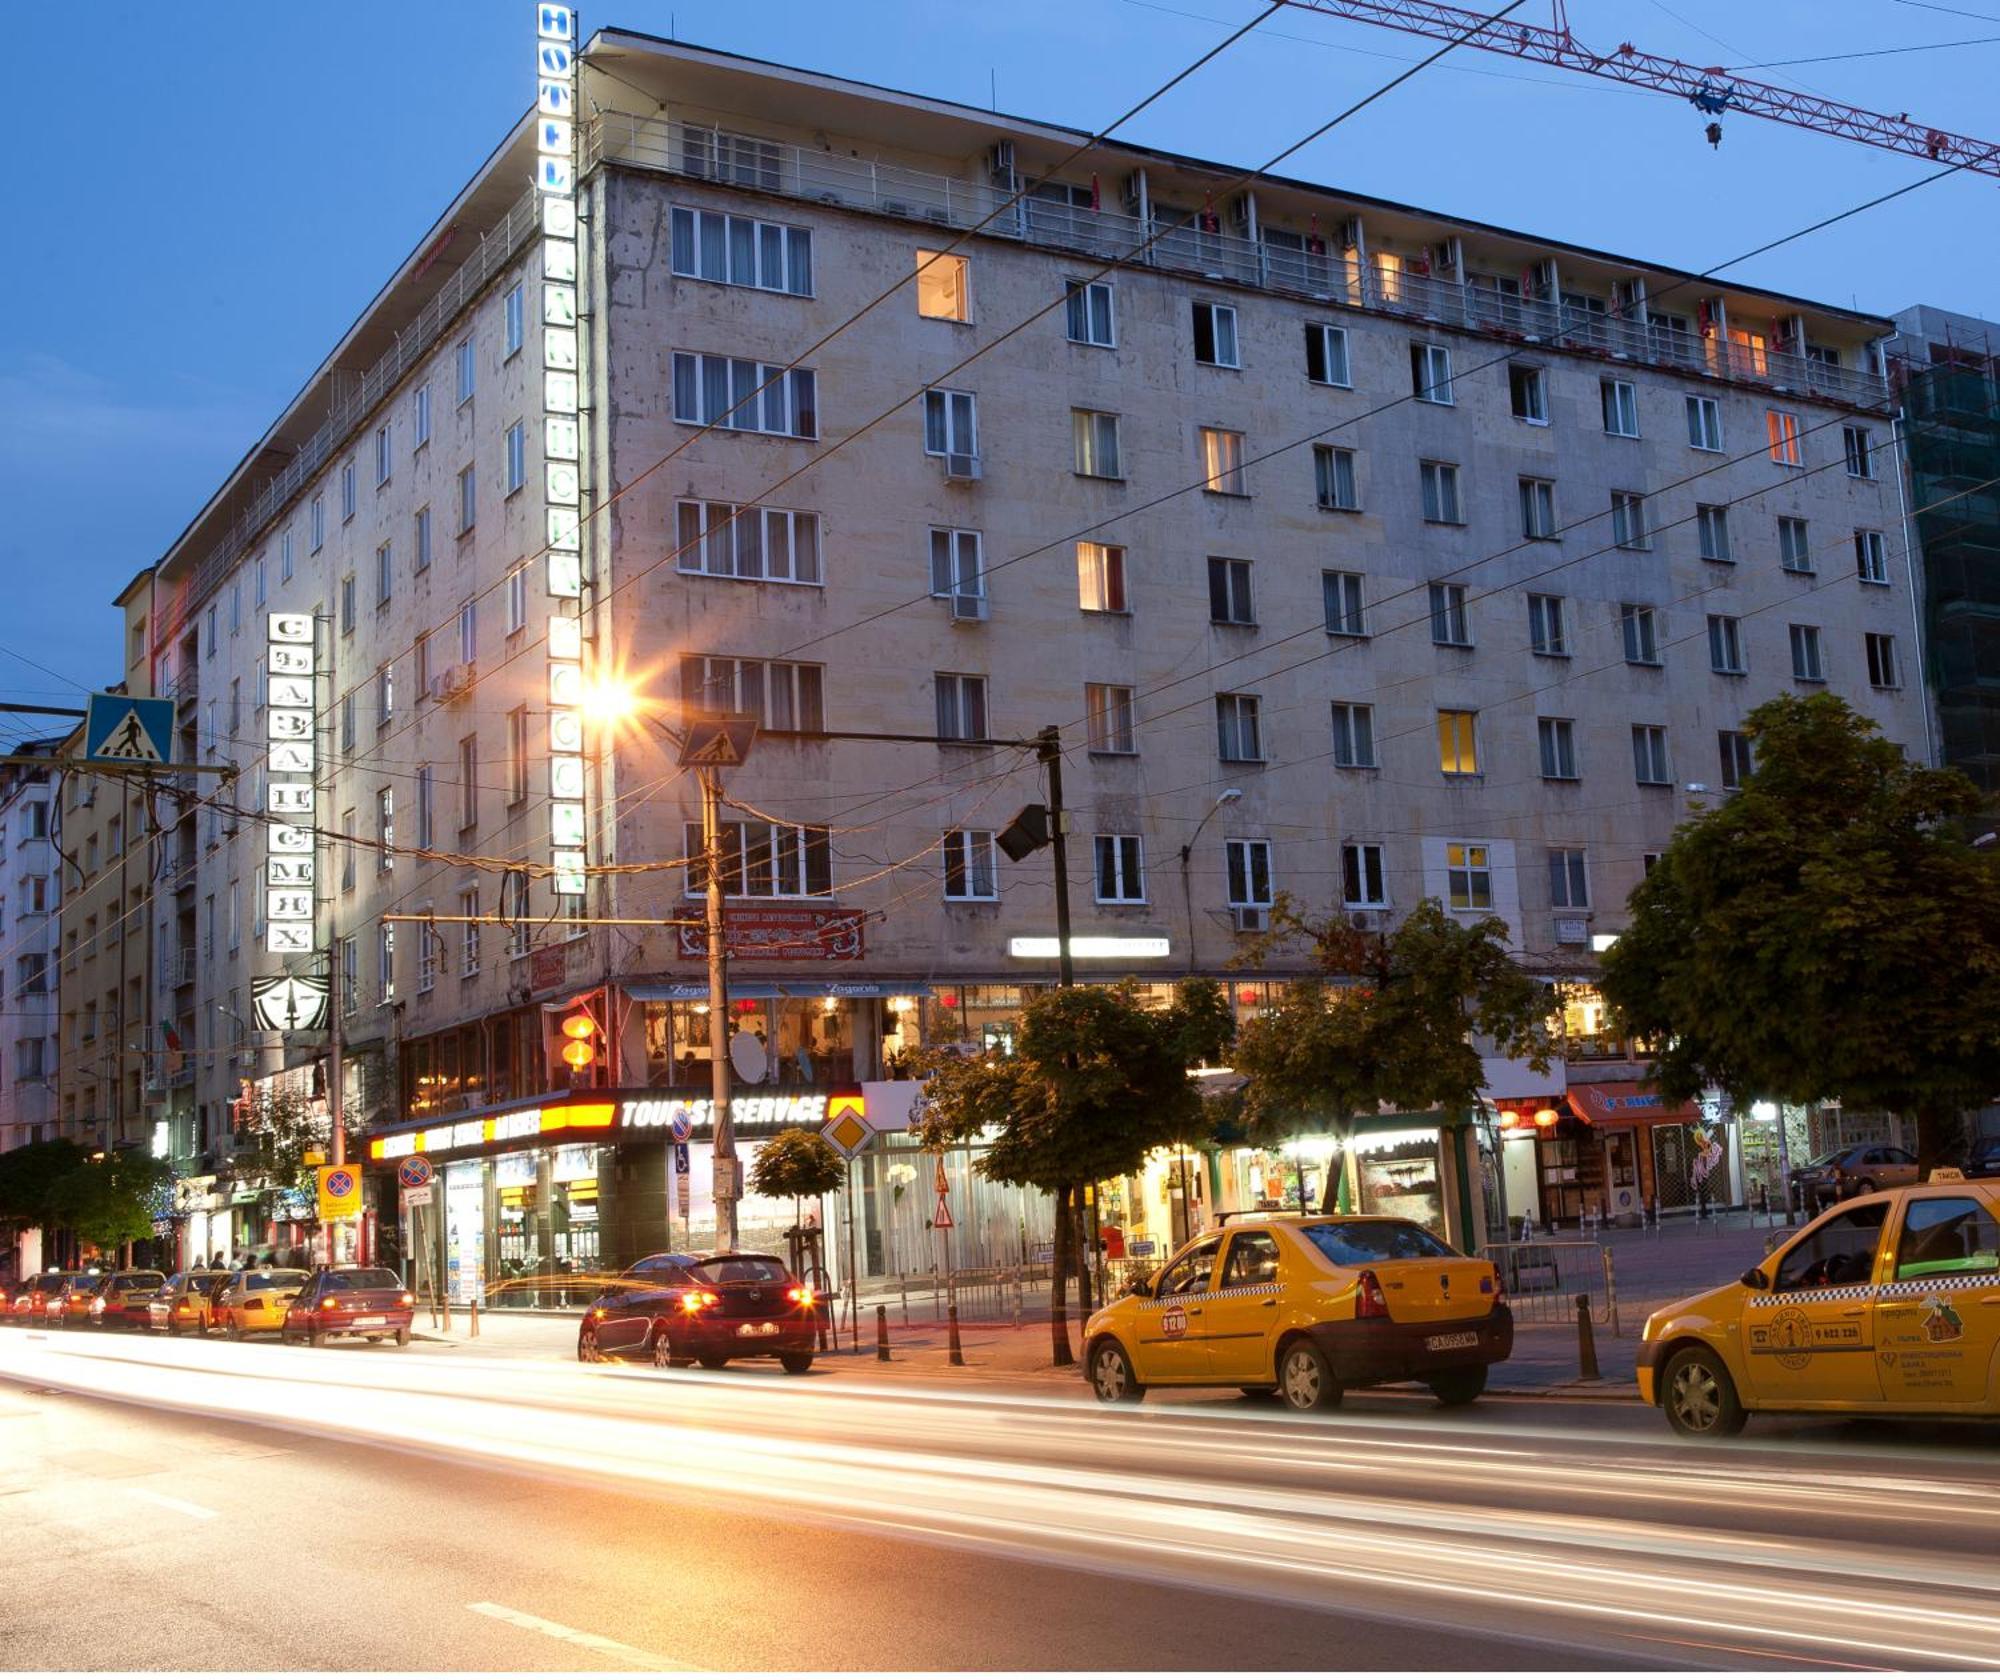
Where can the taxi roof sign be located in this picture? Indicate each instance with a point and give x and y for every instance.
(1946, 1175)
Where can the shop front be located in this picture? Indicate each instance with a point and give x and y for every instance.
(1645, 1152)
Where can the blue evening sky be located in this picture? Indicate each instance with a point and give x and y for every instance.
(199, 214)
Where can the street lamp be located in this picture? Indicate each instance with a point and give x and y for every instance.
(1228, 796)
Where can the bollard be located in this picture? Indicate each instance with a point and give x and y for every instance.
(957, 1353)
(1586, 1341)
(434, 1309)
(882, 1334)
(903, 1283)
(446, 1314)
(472, 1315)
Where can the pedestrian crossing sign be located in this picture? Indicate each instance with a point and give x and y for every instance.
(125, 729)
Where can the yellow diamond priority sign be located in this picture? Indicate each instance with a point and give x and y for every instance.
(847, 1127)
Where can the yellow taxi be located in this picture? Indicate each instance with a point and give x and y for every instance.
(1305, 1306)
(253, 1302)
(186, 1303)
(1888, 1303)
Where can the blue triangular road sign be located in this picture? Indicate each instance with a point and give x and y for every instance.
(125, 729)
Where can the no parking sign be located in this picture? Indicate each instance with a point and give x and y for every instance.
(339, 1193)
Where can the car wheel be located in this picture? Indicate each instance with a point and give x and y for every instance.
(1865, 1188)
(663, 1352)
(1305, 1378)
(798, 1364)
(713, 1361)
(1459, 1387)
(403, 1336)
(233, 1331)
(1699, 1397)
(587, 1350)
(1112, 1379)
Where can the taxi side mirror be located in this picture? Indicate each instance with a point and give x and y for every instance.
(1141, 1286)
(1755, 1279)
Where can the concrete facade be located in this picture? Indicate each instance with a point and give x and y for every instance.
(30, 886)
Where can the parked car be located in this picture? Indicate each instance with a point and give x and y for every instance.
(365, 1301)
(1982, 1160)
(253, 1302)
(32, 1295)
(124, 1300)
(1305, 1306)
(186, 1303)
(1889, 1303)
(1857, 1170)
(707, 1309)
(69, 1307)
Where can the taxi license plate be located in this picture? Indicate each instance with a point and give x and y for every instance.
(368, 1323)
(1455, 1339)
(756, 1330)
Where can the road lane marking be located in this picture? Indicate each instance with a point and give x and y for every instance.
(576, 1636)
(167, 1501)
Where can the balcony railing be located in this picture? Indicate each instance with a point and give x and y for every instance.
(1183, 243)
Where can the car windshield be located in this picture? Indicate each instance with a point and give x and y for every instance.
(141, 1280)
(1364, 1242)
(364, 1277)
(1829, 1158)
(272, 1280)
(739, 1268)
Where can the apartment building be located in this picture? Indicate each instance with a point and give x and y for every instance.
(29, 885)
(1358, 552)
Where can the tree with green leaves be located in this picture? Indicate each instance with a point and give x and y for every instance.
(1095, 1083)
(1390, 1020)
(1825, 932)
(285, 1131)
(797, 1163)
(108, 1198)
(28, 1179)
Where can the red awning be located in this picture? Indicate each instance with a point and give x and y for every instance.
(1623, 1102)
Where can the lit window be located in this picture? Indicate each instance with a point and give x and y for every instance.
(1782, 428)
(1468, 876)
(1222, 461)
(1458, 743)
(1100, 577)
(1096, 436)
(942, 282)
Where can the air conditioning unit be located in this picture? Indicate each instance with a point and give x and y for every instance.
(1364, 921)
(964, 467)
(451, 682)
(1251, 918)
(968, 609)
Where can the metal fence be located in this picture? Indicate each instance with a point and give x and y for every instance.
(1543, 1280)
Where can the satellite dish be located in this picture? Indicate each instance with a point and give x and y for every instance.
(747, 1056)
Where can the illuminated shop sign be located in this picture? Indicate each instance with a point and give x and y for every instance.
(1089, 945)
(292, 665)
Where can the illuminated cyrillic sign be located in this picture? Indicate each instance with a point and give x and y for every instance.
(291, 664)
(1088, 945)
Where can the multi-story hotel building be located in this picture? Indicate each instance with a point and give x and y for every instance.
(1358, 552)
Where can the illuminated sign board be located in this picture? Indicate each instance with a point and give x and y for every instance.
(562, 430)
(292, 666)
(1088, 945)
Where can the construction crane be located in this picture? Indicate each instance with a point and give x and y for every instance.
(1712, 91)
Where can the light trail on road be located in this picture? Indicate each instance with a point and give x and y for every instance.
(1604, 1540)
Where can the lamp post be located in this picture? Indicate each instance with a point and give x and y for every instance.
(1228, 796)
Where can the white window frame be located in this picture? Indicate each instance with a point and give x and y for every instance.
(1712, 533)
(1858, 444)
(1246, 870)
(468, 371)
(1083, 319)
(1538, 510)
(1639, 631)
(468, 497)
(1335, 487)
(1555, 748)
(1782, 432)
(1619, 401)
(747, 543)
(1704, 424)
(1468, 875)
(1548, 626)
(1536, 383)
(1725, 645)
(1354, 735)
(1442, 502)
(766, 398)
(1118, 861)
(1430, 374)
(1652, 766)
(421, 417)
(1871, 557)
(970, 854)
(1628, 520)
(1238, 598)
(468, 933)
(385, 574)
(385, 455)
(1364, 878)
(1569, 878)
(1735, 758)
(1450, 625)
(949, 273)
(712, 245)
(1101, 584)
(1885, 669)
(1328, 346)
(1222, 462)
(1225, 349)
(1110, 718)
(1795, 546)
(778, 693)
(785, 852)
(517, 457)
(1094, 433)
(958, 564)
(951, 423)
(1463, 749)
(1341, 597)
(514, 319)
(963, 701)
(1239, 728)
(517, 600)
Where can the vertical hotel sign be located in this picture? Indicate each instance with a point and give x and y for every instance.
(555, 183)
(291, 802)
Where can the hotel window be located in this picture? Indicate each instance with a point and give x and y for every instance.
(1333, 479)
(1458, 743)
(468, 782)
(1628, 519)
(1882, 668)
(739, 251)
(1363, 885)
(1781, 428)
(961, 706)
(422, 661)
(1222, 461)
(1712, 529)
(420, 424)
(1326, 355)
(1089, 317)
(517, 755)
(467, 370)
(1538, 510)
(1725, 645)
(1860, 451)
(350, 975)
(1621, 407)
(427, 956)
(1733, 751)
(716, 154)
(1569, 880)
(1249, 870)
(1871, 557)
(1528, 394)
(1239, 734)
(944, 286)
(951, 423)
(517, 456)
(422, 561)
(1649, 755)
(1468, 876)
(347, 498)
(1353, 736)
(1215, 335)
(1556, 738)
(758, 545)
(468, 933)
(1120, 869)
(1639, 628)
(514, 320)
(1096, 438)
(263, 567)
(315, 526)
(1704, 418)
(384, 455)
(1100, 577)
(1229, 592)
(517, 600)
(426, 806)
(1440, 483)
(1108, 718)
(385, 575)
(957, 571)
(1448, 622)
(347, 721)
(969, 872)
(1548, 626)
(763, 860)
(468, 632)
(1341, 592)
(745, 396)
(347, 592)
(1794, 554)
(385, 830)
(1430, 373)
(777, 693)
(468, 498)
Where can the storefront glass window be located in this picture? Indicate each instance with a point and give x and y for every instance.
(802, 1041)
(980, 1018)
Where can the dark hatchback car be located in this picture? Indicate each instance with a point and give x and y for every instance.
(366, 1301)
(1859, 1170)
(1982, 1160)
(706, 1309)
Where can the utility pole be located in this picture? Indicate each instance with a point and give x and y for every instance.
(718, 1014)
(1048, 748)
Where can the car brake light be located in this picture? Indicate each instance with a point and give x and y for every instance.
(407, 1299)
(1369, 1301)
(803, 1295)
(695, 1299)
(330, 1303)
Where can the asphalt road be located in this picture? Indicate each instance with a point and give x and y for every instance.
(213, 1506)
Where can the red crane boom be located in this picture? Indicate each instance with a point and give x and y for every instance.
(1712, 90)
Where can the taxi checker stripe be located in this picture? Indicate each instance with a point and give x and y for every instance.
(1851, 1292)
(1945, 1284)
